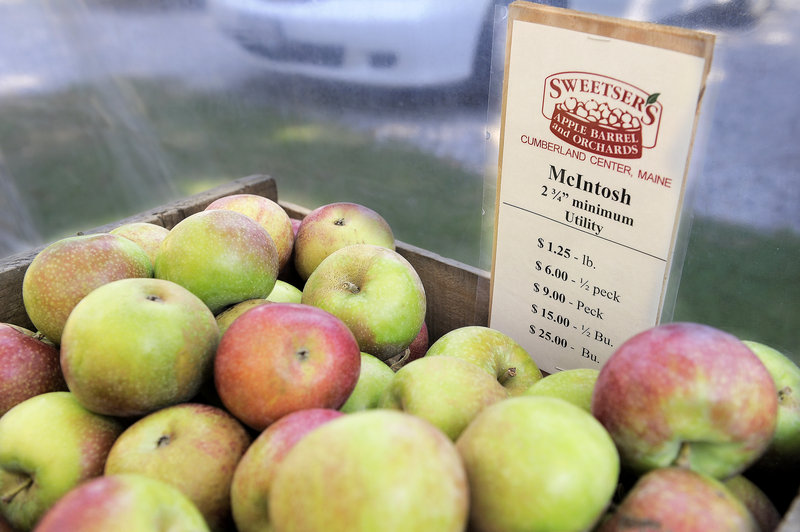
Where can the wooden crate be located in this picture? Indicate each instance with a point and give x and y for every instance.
(457, 294)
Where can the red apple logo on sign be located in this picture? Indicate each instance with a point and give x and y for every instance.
(600, 114)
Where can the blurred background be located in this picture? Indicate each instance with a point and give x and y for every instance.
(111, 107)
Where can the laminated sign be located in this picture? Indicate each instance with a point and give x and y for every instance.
(597, 125)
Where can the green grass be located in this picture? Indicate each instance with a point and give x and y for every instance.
(745, 282)
(91, 155)
(65, 153)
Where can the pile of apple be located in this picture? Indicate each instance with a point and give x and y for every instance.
(244, 372)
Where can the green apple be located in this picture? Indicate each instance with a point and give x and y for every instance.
(371, 470)
(334, 226)
(284, 292)
(446, 391)
(495, 352)
(679, 500)
(278, 358)
(686, 394)
(28, 366)
(123, 503)
(268, 214)
(537, 463)
(149, 236)
(783, 453)
(777, 469)
(134, 346)
(226, 317)
(573, 385)
(195, 447)
(760, 506)
(373, 379)
(65, 271)
(375, 291)
(252, 479)
(221, 256)
(48, 445)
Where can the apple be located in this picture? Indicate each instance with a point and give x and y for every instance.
(419, 346)
(148, 235)
(783, 454)
(492, 350)
(334, 226)
(756, 501)
(253, 476)
(279, 358)
(446, 391)
(284, 292)
(537, 463)
(417, 349)
(686, 394)
(679, 500)
(134, 346)
(371, 470)
(28, 366)
(65, 271)
(195, 447)
(375, 291)
(268, 214)
(221, 256)
(48, 445)
(289, 273)
(226, 317)
(778, 468)
(573, 385)
(123, 503)
(373, 379)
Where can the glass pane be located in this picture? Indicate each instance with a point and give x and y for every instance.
(111, 107)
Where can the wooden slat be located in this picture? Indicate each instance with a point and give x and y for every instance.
(12, 269)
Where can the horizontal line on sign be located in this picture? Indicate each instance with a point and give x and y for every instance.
(584, 231)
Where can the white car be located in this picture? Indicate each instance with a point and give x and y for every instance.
(418, 43)
(390, 43)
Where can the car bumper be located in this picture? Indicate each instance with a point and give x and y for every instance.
(387, 43)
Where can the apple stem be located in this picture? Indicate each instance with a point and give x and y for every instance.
(507, 374)
(398, 361)
(25, 483)
(351, 287)
(784, 394)
(683, 459)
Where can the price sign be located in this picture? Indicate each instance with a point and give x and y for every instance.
(597, 126)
